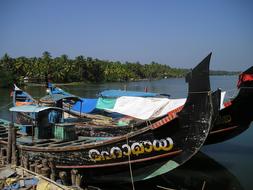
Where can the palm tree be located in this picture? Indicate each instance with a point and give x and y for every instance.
(46, 59)
(80, 64)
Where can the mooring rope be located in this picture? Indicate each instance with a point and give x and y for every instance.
(234, 91)
(129, 158)
(247, 87)
(130, 166)
(200, 92)
(230, 90)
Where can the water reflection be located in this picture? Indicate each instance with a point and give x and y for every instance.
(200, 173)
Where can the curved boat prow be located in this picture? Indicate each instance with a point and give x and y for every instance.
(20, 97)
(245, 86)
(242, 104)
(246, 78)
(237, 115)
(198, 78)
(196, 115)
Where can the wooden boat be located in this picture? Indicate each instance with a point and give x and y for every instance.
(236, 116)
(21, 97)
(148, 152)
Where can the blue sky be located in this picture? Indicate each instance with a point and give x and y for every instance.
(174, 32)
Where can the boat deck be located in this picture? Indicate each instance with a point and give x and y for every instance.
(29, 141)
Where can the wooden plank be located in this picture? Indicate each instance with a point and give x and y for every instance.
(83, 141)
(48, 143)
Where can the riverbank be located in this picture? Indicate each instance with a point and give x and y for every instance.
(57, 84)
(88, 82)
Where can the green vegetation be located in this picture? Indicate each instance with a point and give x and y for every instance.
(81, 69)
(224, 73)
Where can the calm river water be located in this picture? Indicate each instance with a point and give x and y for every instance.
(228, 165)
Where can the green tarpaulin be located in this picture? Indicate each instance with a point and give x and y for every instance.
(105, 103)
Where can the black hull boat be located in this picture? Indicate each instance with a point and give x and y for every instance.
(146, 153)
(237, 115)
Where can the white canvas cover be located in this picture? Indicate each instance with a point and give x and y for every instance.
(171, 105)
(145, 108)
(148, 108)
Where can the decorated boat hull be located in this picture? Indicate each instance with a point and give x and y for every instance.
(165, 144)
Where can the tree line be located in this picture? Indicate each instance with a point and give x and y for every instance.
(62, 69)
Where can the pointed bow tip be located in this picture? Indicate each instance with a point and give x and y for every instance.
(249, 70)
(203, 66)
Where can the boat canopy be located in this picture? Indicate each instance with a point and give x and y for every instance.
(119, 93)
(31, 108)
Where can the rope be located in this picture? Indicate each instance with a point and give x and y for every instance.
(247, 87)
(230, 93)
(200, 92)
(130, 167)
(129, 159)
(227, 90)
(231, 90)
(235, 92)
(165, 188)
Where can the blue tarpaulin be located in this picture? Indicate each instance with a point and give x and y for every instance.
(86, 105)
